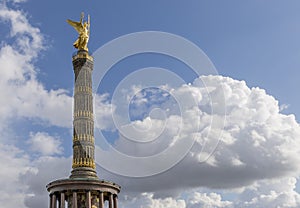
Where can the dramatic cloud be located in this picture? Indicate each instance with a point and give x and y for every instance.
(256, 137)
(266, 193)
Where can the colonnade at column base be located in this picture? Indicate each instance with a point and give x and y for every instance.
(83, 193)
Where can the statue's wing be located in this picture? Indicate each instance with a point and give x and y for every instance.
(77, 25)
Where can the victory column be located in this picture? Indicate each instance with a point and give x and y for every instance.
(83, 189)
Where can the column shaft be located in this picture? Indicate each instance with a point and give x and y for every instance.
(53, 204)
(101, 200)
(115, 201)
(62, 200)
(111, 201)
(88, 200)
(83, 122)
(74, 205)
(50, 204)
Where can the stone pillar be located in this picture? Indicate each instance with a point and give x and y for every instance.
(74, 204)
(83, 123)
(88, 200)
(50, 197)
(53, 204)
(115, 201)
(111, 201)
(101, 200)
(62, 200)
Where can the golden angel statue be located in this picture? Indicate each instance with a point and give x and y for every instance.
(83, 30)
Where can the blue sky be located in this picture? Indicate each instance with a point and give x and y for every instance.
(252, 41)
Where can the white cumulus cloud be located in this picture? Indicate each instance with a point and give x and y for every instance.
(146, 200)
(204, 200)
(45, 144)
(256, 137)
(24, 95)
